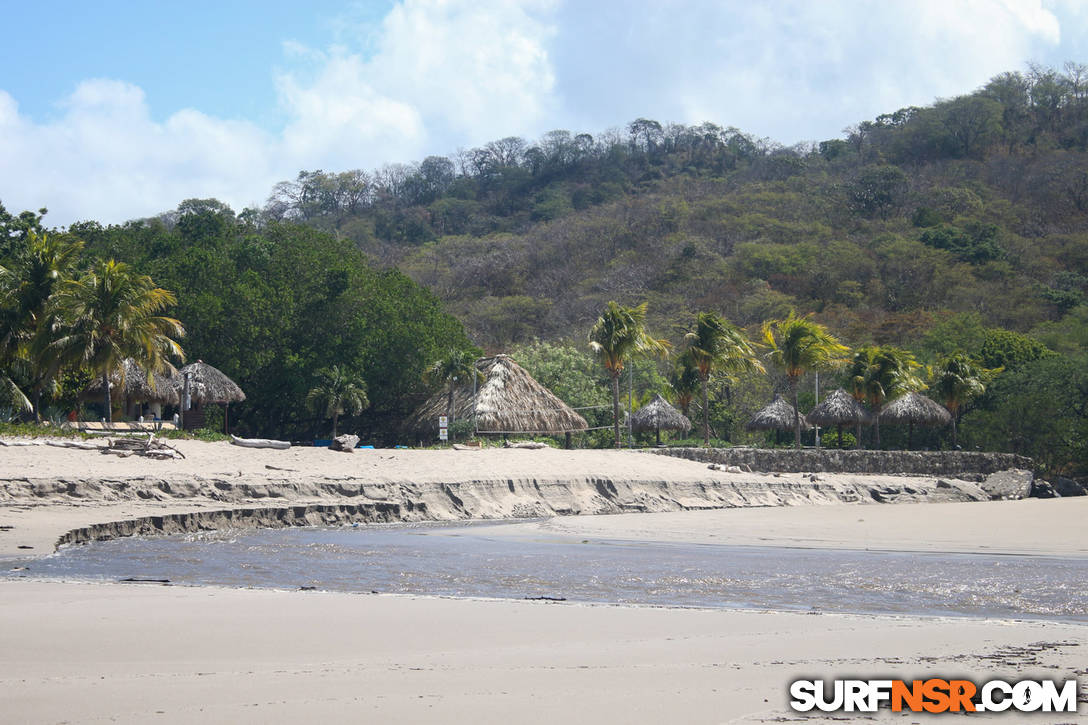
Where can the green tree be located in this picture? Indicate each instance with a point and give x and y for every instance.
(882, 374)
(957, 381)
(618, 335)
(684, 381)
(878, 191)
(111, 313)
(453, 367)
(337, 392)
(1038, 410)
(799, 345)
(717, 346)
(26, 287)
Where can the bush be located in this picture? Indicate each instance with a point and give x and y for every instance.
(829, 438)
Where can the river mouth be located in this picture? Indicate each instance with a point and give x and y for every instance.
(473, 560)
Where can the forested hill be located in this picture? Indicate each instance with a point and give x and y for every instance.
(977, 204)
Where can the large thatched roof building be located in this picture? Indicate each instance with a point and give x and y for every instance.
(133, 384)
(508, 400)
(657, 415)
(779, 415)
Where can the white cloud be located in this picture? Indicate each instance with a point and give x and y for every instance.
(441, 73)
(432, 75)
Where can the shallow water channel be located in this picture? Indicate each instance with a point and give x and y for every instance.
(469, 560)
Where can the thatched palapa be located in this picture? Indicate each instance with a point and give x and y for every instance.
(839, 409)
(207, 385)
(915, 409)
(657, 415)
(508, 400)
(779, 415)
(132, 383)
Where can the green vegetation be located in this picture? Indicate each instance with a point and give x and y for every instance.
(717, 347)
(337, 392)
(269, 305)
(619, 335)
(798, 345)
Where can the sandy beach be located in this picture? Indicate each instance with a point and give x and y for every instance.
(81, 652)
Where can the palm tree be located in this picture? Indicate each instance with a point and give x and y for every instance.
(618, 335)
(716, 345)
(108, 314)
(27, 287)
(684, 381)
(337, 392)
(799, 345)
(957, 380)
(454, 366)
(881, 374)
(12, 354)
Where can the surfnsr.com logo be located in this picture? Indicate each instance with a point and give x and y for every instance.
(934, 695)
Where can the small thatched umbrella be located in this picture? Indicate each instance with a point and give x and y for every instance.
(208, 385)
(914, 408)
(132, 384)
(509, 400)
(658, 414)
(838, 409)
(777, 416)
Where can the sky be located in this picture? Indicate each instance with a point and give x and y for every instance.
(116, 110)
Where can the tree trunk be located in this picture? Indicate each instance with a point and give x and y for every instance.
(706, 413)
(106, 386)
(840, 436)
(857, 432)
(954, 410)
(910, 436)
(38, 405)
(876, 429)
(658, 432)
(796, 416)
(449, 411)
(335, 416)
(616, 406)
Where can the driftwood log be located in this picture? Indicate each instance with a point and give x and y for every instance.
(259, 443)
(150, 447)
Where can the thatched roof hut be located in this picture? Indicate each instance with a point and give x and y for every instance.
(915, 409)
(508, 400)
(658, 414)
(839, 408)
(779, 415)
(132, 383)
(207, 385)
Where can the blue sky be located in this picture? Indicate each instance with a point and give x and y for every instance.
(116, 110)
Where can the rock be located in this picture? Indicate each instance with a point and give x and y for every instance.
(345, 443)
(1042, 489)
(1070, 487)
(1013, 483)
(941, 483)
